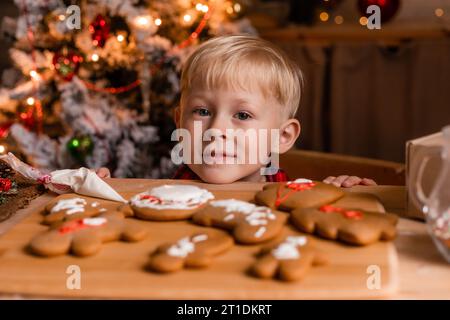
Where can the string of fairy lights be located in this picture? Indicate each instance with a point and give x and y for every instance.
(325, 16)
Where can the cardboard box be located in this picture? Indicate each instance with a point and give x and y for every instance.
(415, 152)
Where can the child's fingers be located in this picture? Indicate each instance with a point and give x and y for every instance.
(329, 180)
(339, 180)
(368, 182)
(103, 173)
(351, 181)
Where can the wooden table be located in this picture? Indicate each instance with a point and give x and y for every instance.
(423, 273)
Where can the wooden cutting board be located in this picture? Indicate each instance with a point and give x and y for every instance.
(117, 271)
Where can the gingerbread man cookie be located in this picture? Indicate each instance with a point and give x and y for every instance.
(352, 226)
(196, 251)
(289, 260)
(69, 207)
(169, 202)
(249, 223)
(84, 236)
(300, 193)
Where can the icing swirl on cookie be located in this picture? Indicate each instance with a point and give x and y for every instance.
(179, 197)
(185, 246)
(288, 249)
(254, 215)
(71, 206)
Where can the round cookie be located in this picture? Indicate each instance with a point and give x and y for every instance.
(249, 224)
(169, 202)
(300, 193)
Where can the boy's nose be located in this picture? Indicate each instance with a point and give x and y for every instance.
(219, 124)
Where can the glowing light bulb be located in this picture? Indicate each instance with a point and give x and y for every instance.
(94, 57)
(30, 101)
(237, 7)
(158, 21)
(142, 21)
(204, 8)
(363, 21)
(198, 7)
(339, 20)
(120, 37)
(324, 16)
(34, 74)
(61, 17)
(439, 12)
(187, 17)
(2, 149)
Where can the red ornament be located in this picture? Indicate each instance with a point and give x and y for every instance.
(5, 184)
(27, 120)
(4, 129)
(388, 8)
(99, 29)
(67, 64)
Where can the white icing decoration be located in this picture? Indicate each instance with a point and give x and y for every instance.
(228, 217)
(94, 222)
(71, 206)
(289, 248)
(95, 204)
(255, 215)
(300, 180)
(260, 232)
(185, 246)
(182, 248)
(173, 197)
(103, 210)
(233, 205)
(200, 237)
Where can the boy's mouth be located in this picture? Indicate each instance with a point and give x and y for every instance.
(222, 154)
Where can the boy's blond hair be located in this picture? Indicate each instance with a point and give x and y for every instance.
(245, 62)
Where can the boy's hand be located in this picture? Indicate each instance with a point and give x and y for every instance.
(103, 173)
(349, 181)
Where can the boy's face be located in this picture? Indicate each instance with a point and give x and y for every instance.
(222, 110)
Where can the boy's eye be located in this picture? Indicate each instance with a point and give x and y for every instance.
(242, 115)
(202, 112)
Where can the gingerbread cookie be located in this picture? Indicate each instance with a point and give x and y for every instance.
(352, 226)
(196, 251)
(288, 260)
(72, 206)
(84, 236)
(69, 207)
(169, 202)
(300, 193)
(249, 223)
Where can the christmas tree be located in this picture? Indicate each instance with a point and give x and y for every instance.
(94, 82)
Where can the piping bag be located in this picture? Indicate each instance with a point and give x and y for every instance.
(82, 181)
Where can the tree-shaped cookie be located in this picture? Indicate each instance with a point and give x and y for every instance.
(288, 260)
(248, 223)
(195, 251)
(72, 206)
(352, 226)
(300, 193)
(169, 202)
(85, 236)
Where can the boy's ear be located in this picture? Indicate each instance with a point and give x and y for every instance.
(289, 132)
(177, 116)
